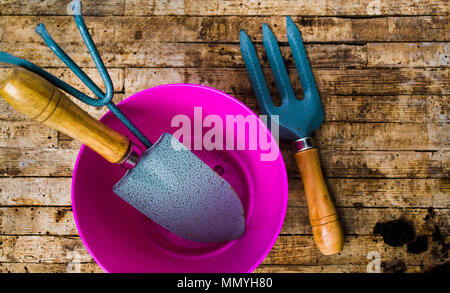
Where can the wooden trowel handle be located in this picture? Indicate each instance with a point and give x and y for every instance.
(327, 230)
(40, 100)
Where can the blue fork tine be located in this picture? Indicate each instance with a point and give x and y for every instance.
(279, 71)
(311, 99)
(256, 75)
(301, 60)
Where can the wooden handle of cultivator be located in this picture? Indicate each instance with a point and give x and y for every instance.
(40, 100)
(327, 230)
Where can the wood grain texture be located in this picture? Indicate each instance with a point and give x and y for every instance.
(288, 250)
(317, 269)
(37, 162)
(400, 54)
(234, 7)
(284, 7)
(116, 74)
(46, 268)
(379, 164)
(398, 108)
(370, 81)
(382, 70)
(8, 113)
(35, 191)
(301, 250)
(360, 193)
(57, 7)
(27, 135)
(147, 53)
(338, 164)
(225, 29)
(371, 136)
(58, 221)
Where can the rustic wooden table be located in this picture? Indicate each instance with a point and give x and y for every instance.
(382, 68)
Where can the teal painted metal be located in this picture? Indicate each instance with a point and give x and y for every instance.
(103, 99)
(297, 118)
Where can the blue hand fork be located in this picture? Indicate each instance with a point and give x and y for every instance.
(298, 119)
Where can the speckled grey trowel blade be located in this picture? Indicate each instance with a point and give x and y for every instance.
(177, 190)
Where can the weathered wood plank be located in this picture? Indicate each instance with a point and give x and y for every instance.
(301, 250)
(384, 108)
(383, 136)
(264, 269)
(399, 108)
(377, 164)
(292, 250)
(58, 7)
(41, 162)
(356, 221)
(217, 7)
(45, 268)
(284, 7)
(35, 191)
(116, 74)
(45, 249)
(94, 268)
(37, 220)
(361, 221)
(371, 81)
(27, 135)
(401, 193)
(8, 113)
(360, 136)
(144, 53)
(379, 109)
(413, 108)
(226, 29)
(342, 164)
(402, 54)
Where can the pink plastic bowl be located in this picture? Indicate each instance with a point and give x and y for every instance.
(121, 239)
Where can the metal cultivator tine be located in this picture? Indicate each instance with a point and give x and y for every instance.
(256, 75)
(102, 98)
(277, 65)
(311, 99)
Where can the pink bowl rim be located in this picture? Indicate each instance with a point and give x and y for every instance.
(134, 96)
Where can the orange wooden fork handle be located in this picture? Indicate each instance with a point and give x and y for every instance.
(327, 230)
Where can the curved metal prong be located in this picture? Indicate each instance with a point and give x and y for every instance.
(255, 74)
(279, 71)
(301, 59)
(76, 7)
(311, 100)
(41, 30)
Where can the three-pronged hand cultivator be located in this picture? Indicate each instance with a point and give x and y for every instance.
(298, 119)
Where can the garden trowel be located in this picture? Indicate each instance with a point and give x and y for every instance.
(167, 182)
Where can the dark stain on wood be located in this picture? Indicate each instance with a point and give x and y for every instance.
(418, 246)
(395, 233)
(396, 266)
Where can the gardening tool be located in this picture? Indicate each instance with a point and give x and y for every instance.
(298, 119)
(149, 247)
(167, 182)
